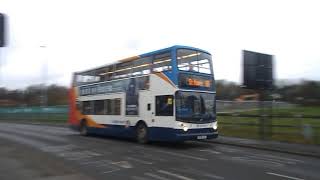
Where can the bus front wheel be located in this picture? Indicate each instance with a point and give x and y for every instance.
(142, 133)
(84, 128)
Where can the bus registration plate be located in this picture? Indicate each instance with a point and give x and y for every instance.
(201, 137)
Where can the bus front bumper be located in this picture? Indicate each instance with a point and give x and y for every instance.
(196, 136)
(169, 134)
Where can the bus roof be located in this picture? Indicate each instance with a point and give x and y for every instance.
(170, 48)
(132, 58)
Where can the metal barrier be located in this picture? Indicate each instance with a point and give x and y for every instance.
(236, 106)
(298, 128)
(49, 114)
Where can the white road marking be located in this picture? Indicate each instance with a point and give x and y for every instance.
(60, 148)
(25, 141)
(106, 172)
(194, 171)
(228, 149)
(139, 160)
(283, 158)
(40, 129)
(174, 175)
(182, 155)
(77, 155)
(210, 151)
(103, 164)
(94, 162)
(82, 155)
(123, 164)
(257, 161)
(156, 176)
(34, 134)
(280, 175)
(272, 159)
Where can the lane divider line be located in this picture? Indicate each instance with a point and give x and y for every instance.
(210, 151)
(106, 172)
(199, 172)
(174, 175)
(182, 155)
(139, 160)
(284, 176)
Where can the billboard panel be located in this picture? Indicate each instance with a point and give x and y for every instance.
(2, 30)
(257, 70)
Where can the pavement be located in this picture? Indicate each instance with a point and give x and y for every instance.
(43, 152)
(298, 149)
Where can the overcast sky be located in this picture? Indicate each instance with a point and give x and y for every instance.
(73, 35)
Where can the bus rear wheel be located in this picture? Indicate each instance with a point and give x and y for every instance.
(84, 128)
(142, 133)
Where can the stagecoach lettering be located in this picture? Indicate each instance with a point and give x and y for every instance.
(119, 122)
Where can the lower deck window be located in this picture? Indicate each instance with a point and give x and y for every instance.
(86, 107)
(113, 106)
(102, 107)
(164, 105)
(99, 107)
(117, 106)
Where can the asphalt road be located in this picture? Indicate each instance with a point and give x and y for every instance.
(57, 153)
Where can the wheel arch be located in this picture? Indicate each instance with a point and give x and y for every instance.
(83, 120)
(139, 122)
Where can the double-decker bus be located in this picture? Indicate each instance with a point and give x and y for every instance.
(164, 95)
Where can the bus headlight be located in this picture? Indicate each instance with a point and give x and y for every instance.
(215, 125)
(185, 128)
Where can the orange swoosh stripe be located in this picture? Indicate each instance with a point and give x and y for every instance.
(165, 78)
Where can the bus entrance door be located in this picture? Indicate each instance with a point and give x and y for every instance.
(147, 108)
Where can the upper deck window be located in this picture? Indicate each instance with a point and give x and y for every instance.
(123, 70)
(128, 69)
(87, 78)
(194, 61)
(141, 66)
(162, 62)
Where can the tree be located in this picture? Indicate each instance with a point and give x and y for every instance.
(31, 96)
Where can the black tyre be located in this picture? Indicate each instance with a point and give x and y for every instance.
(84, 128)
(142, 133)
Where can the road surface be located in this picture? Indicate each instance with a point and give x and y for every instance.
(56, 153)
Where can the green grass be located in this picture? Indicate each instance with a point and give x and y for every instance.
(244, 126)
(248, 127)
(290, 111)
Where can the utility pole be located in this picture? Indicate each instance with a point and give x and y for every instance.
(44, 95)
(258, 75)
(3, 41)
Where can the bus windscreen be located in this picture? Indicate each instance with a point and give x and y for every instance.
(195, 107)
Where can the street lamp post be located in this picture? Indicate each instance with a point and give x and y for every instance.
(44, 96)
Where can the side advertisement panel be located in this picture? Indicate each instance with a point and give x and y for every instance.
(130, 86)
(132, 98)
